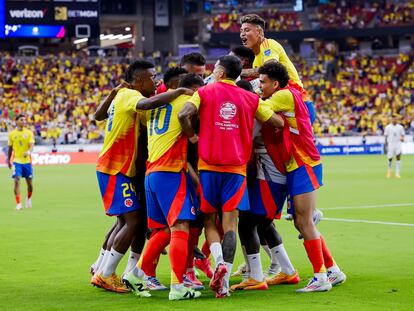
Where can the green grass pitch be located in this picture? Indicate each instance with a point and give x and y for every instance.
(45, 252)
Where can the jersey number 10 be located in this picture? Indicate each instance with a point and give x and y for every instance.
(155, 120)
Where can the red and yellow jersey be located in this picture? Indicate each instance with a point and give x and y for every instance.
(21, 141)
(272, 50)
(119, 150)
(283, 101)
(167, 146)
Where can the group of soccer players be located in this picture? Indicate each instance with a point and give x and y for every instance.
(218, 156)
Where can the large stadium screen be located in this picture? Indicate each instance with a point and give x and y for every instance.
(72, 18)
(2, 10)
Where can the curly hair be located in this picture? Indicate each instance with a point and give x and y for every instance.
(276, 72)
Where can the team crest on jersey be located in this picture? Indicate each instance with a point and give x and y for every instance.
(193, 210)
(267, 52)
(25, 136)
(128, 202)
(228, 111)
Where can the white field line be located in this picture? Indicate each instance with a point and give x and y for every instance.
(366, 206)
(369, 222)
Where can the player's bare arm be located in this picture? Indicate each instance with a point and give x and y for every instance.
(276, 121)
(162, 99)
(9, 154)
(185, 116)
(101, 112)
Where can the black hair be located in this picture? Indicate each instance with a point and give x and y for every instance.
(232, 66)
(276, 72)
(20, 115)
(245, 85)
(193, 59)
(253, 19)
(136, 67)
(242, 51)
(191, 79)
(172, 73)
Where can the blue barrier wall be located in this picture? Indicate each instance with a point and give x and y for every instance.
(351, 149)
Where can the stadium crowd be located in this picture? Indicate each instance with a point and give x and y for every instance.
(352, 96)
(337, 14)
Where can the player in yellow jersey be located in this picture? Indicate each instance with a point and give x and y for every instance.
(116, 162)
(20, 144)
(170, 204)
(252, 36)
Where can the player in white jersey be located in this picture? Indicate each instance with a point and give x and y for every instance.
(394, 136)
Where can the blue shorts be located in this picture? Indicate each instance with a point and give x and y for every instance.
(304, 179)
(118, 194)
(223, 192)
(267, 198)
(169, 198)
(22, 170)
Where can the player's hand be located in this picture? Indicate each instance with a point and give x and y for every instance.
(26, 154)
(185, 91)
(122, 85)
(9, 165)
(193, 139)
(249, 73)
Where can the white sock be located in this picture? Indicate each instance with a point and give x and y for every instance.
(104, 260)
(216, 252)
(113, 260)
(177, 287)
(321, 276)
(389, 165)
(132, 261)
(397, 167)
(283, 258)
(256, 271)
(267, 250)
(245, 259)
(98, 261)
(334, 269)
(226, 281)
(138, 272)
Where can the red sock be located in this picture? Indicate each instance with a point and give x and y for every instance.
(178, 255)
(192, 242)
(29, 195)
(149, 259)
(327, 257)
(206, 249)
(314, 251)
(17, 198)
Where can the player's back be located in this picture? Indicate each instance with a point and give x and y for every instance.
(167, 146)
(226, 123)
(119, 150)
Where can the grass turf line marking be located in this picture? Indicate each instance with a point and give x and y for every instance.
(370, 222)
(366, 206)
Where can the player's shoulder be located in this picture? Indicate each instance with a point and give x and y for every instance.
(271, 43)
(283, 94)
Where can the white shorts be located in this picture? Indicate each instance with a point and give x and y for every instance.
(393, 151)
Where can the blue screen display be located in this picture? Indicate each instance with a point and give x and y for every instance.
(34, 31)
(2, 17)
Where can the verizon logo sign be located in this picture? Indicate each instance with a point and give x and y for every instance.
(25, 13)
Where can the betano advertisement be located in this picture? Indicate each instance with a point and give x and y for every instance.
(59, 158)
(57, 18)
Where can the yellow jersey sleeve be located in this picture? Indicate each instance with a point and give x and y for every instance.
(10, 139)
(264, 111)
(281, 101)
(195, 100)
